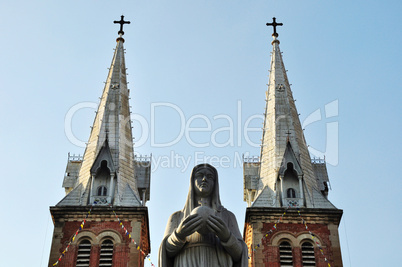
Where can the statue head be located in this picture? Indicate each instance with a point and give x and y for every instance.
(204, 184)
(204, 180)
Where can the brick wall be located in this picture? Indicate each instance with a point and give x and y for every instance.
(99, 225)
(264, 250)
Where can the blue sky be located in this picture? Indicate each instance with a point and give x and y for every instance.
(202, 59)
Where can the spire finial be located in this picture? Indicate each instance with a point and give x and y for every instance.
(121, 22)
(288, 135)
(274, 24)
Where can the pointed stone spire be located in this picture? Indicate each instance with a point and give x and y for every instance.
(282, 131)
(110, 144)
(284, 178)
(281, 124)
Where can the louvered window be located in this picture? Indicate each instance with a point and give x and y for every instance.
(285, 254)
(308, 254)
(106, 254)
(84, 253)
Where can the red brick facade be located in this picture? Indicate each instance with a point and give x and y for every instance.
(101, 224)
(264, 249)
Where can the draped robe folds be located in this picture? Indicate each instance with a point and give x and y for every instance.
(202, 250)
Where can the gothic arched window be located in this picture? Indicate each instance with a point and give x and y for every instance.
(285, 254)
(84, 253)
(308, 257)
(291, 193)
(102, 191)
(106, 253)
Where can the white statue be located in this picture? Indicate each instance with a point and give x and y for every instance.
(203, 233)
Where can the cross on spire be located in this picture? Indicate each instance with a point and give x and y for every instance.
(274, 24)
(121, 22)
(288, 133)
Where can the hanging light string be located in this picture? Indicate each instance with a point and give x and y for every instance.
(127, 233)
(72, 239)
(313, 236)
(146, 256)
(270, 230)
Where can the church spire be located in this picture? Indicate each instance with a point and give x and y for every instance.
(284, 183)
(107, 182)
(107, 167)
(283, 144)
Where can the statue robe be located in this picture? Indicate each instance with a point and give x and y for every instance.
(202, 250)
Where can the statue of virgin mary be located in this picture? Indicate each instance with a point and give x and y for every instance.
(203, 233)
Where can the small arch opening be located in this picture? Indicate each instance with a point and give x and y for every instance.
(291, 193)
(325, 186)
(291, 183)
(103, 169)
(102, 191)
(289, 166)
(290, 171)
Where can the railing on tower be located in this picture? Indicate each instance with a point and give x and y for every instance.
(315, 160)
(73, 157)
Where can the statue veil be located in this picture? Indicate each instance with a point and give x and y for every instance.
(189, 252)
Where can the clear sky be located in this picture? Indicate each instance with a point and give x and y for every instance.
(188, 62)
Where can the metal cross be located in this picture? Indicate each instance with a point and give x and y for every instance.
(288, 134)
(274, 24)
(121, 22)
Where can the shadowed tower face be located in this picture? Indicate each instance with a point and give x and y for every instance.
(284, 177)
(106, 178)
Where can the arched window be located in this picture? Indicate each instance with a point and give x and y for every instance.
(291, 193)
(84, 253)
(285, 254)
(102, 191)
(308, 257)
(106, 254)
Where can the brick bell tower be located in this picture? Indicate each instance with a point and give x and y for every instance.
(289, 219)
(103, 220)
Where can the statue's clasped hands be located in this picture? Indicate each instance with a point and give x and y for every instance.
(194, 222)
(188, 226)
(218, 227)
